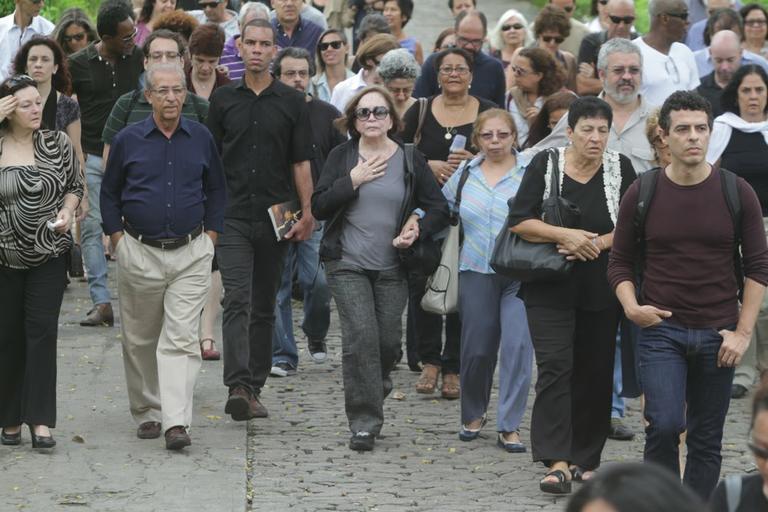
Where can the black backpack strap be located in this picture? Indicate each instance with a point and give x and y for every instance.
(134, 98)
(198, 109)
(647, 187)
(462, 180)
(730, 186)
(423, 103)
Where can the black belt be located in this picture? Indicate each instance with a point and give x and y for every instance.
(167, 244)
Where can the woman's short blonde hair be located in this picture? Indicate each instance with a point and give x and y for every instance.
(487, 115)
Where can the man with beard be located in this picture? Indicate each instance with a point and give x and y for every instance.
(726, 53)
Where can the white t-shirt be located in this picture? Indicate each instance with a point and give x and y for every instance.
(665, 74)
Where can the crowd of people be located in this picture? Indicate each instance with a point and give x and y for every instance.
(165, 134)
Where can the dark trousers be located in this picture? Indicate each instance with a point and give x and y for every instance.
(251, 264)
(678, 366)
(30, 302)
(370, 305)
(574, 355)
(428, 330)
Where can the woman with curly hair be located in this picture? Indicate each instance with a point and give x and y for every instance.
(537, 76)
(177, 21)
(550, 29)
(151, 10)
(399, 70)
(74, 31)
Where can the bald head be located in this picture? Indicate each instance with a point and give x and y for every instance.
(714, 5)
(725, 51)
(657, 7)
(621, 16)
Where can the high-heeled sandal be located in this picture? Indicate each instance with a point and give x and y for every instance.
(41, 442)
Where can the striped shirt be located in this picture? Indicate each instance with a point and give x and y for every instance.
(483, 212)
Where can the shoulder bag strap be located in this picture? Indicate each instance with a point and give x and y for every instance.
(423, 104)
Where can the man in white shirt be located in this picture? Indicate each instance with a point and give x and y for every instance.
(17, 28)
(668, 65)
(215, 11)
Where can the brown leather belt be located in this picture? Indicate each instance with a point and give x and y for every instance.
(166, 244)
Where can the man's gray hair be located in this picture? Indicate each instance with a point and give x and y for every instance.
(164, 67)
(398, 64)
(616, 45)
(252, 9)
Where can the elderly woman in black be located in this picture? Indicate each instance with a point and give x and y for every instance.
(573, 322)
(367, 190)
(40, 190)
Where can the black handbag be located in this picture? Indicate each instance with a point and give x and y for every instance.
(526, 261)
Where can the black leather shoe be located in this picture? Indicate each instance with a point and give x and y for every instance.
(10, 439)
(41, 442)
(738, 391)
(619, 431)
(362, 441)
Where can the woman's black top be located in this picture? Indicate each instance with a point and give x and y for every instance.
(587, 287)
(752, 496)
(433, 144)
(746, 155)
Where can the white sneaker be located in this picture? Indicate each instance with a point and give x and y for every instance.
(276, 371)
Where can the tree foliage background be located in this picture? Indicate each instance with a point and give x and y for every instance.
(54, 8)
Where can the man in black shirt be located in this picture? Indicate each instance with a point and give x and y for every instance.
(262, 129)
(101, 73)
(725, 50)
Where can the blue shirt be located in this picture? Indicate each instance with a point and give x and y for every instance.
(305, 35)
(487, 79)
(704, 61)
(163, 188)
(483, 211)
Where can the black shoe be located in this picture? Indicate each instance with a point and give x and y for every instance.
(317, 350)
(10, 439)
(619, 431)
(362, 441)
(738, 391)
(41, 442)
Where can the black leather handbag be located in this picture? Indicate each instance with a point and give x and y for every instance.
(528, 261)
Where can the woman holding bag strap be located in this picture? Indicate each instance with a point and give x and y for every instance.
(492, 316)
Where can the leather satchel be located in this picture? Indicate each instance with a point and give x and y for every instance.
(525, 261)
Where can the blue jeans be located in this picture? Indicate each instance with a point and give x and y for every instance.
(90, 236)
(684, 387)
(617, 402)
(305, 258)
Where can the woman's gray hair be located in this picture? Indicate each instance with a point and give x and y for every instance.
(258, 9)
(616, 45)
(496, 38)
(164, 67)
(398, 64)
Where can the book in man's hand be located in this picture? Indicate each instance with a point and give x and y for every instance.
(284, 216)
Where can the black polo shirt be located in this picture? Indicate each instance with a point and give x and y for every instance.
(590, 47)
(98, 85)
(259, 137)
(713, 92)
(325, 136)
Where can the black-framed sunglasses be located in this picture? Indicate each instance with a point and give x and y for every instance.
(627, 20)
(516, 26)
(602, 2)
(549, 39)
(378, 112)
(205, 5)
(129, 38)
(683, 16)
(330, 44)
(568, 8)
(757, 451)
(74, 37)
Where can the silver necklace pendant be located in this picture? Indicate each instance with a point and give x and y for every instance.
(448, 135)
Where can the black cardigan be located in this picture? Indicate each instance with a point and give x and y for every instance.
(334, 193)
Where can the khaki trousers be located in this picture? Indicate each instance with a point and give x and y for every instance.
(162, 293)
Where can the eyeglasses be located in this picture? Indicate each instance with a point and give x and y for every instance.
(164, 55)
(518, 71)
(463, 41)
(672, 71)
(682, 15)
(627, 20)
(602, 2)
(164, 92)
(291, 73)
(330, 44)
(378, 112)
(549, 39)
(74, 37)
(755, 23)
(516, 26)
(757, 451)
(129, 38)
(488, 136)
(206, 5)
(449, 70)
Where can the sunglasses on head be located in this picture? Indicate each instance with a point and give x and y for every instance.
(378, 112)
(74, 37)
(13, 84)
(549, 39)
(516, 26)
(331, 44)
(627, 20)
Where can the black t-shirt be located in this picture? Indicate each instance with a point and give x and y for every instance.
(587, 287)
(325, 136)
(746, 154)
(713, 92)
(590, 47)
(433, 143)
(752, 496)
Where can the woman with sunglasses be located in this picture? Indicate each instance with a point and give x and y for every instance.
(537, 76)
(493, 322)
(550, 29)
(755, 18)
(41, 188)
(433, 126)
(74, 31)
(510, 34)
(332, 55)
(367, 190)
(151, 10)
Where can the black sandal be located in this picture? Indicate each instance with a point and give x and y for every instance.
(562, 486)
(577, 473)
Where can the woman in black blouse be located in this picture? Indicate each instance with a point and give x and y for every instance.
(573, 322)
(446, 115)
(40, 188)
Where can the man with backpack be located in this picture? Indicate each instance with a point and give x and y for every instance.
(695, 233)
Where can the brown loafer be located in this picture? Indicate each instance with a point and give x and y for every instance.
(257, 408)
(239, 404)
(100, 316)
(427, 382)
(148, 430)
(450, 388)
(177, 438)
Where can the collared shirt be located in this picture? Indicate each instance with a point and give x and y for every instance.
(483, 211)
(632, 141)
(12, 37)
(133, 107)
(98, 85)
(260, 137)
(345, 90)
(713, 92)
(320, 88)
(665, 74)
(163, 187)
(704, 61)
(487, 79)
(230, 58)
(305, 35)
